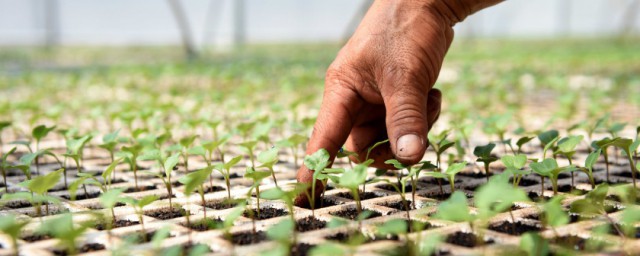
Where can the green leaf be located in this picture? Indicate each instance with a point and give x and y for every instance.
(554, 214)
(517, 162)
(454, 209)
(353, 178)
(42, 184)
(110, 137)
(187, 141)
(569, 144)
(337, 222)
(484, 151)
(9, 224)
(197, 151)
(545, 167)
(170, 163)
(396, 164)
(273, 194)
(497, 195)
(4, 124)
(548, 136)
(373, 147)
(160, 235)
(445, 146)
(592, 158)
(147, 200)
(194, 180)
(74, 146)
(454, 169)
(110, 198)
(28, 158)
(269, 157)
(281, 231)
(534, 244)
(106, 175)
(232, 162)
(41, 131)
(393, 227)
(523, 141)
(236, 212)
(256, 176)
(318, 160)
(430, 243)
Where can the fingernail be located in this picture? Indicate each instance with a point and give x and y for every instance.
(409, 145)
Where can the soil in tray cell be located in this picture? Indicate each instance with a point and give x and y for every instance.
(309, 223)
(35, 237)
(352, 213)
(136, 237)
(248, 237)
(91, 247)
(99, 206)
(569, 189)
(475, 175)
(204, 225)
(388, 187)
(185, 249)
(511, 228)
(52, 211)
(365, 196)
(221, 204)
(399, 205)
(139, 189)
(301, 249)
(321, 204)
(441, 196)
(117, 224)
(214, 189)
(80, 195)
(265, 213)
(535, 196)
(577, 243)
(525, 182)
(465, 239)
(166, 213)
(17, 204)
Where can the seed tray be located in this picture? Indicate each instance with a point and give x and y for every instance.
(385, 203)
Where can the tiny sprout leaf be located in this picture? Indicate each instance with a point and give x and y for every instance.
(197, 151)
(592, 159)
(455, 168)
(395, 164)
(548, 136)
(534, 244)
(232, 162)
(42, 184)
(545, 167)
(553, 213)
(110, 137)
(318, 160)
(569, 144)
(393, 227)
(236, 212)
(353, 178)
(170, 163)
(454, 209)
(110, 198)
(106, 175)
(523, 140)
(517, 162)
(281, 231)
(193, 180)
(484, 151)
(41, 131)
(269, 157)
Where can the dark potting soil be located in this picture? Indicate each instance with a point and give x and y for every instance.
(52, 211)
(535, 196)
(248, 237)
(117, 224)
(465, 239)
(139, 189)
(577, 243)
(612, 180)
(80, 195)
(167, 213)
(301, 249)
(17, 204)
(625, 174)
(406, 249)
(35, 237)
(352, 213)
(398, 205)
(569, 189)
(214, 189)
(310, 223)
(525, 182)
(231, 176)
(221, 204)
(350, 238)
(475, 175)
(441, 196)
(90, 247)
(99, 206)
(365, 196)
(265, 213)
(204, 225)
(321, 204)
(388, 187)
(434, 181)
(516, 229)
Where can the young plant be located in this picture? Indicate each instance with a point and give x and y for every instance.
(456, 209)
(3, 125)
(109, 200)
(317, 162)
(225, 170)
(288, 196)
(230, 218)
(12, 227)
(110, 143)
(521, 142)
(138, 205)
(484, 155)
(38, 188)
(284, 234)
(75, 149)
(167, 166)
(130, 155)
(249, 147)
(257, 177)
(440, 146)
(65, 230)
(534, 244)
(4, 167)
(38, 134)
(553, 214)
(514, 165)
(293, 142)
(496, 196)
(547, 140)
(185, 145)
(591, 160)
(549, 168)
(567, 148)
(194, 182)
(352, 179)
(449, 174)
(593, 205)
(268, 159)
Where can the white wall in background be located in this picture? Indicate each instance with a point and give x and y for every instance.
(118, 22)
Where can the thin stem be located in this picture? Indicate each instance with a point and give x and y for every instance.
(572, 174)
(273, 174)
(606, 162)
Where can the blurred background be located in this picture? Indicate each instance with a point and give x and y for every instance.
(221, 23)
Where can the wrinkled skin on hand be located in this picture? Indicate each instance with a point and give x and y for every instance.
(380, 84)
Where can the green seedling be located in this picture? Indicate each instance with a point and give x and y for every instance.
(456, 209)
(284, 234)
(65, 230)
(3, 125)
(168, 166)
(567, 148)
(343, 153)
(4, 167)
(110, 143)
(547, 140)
(192, 182)
(449, 174)
(317, 162)
(38, 188)
(268, 159)
(230, 218)
(553, 214)
(397, 227)
(352, 179)
(534, 245)
(257, 177)
(85, 178)
(591, 160)
(630, 217)
(624, 144)
(593, 205)
(549, 168)
(496, 196)
(225, 170)
(38, 134)
(185, 145)
(288, 196)
(75, 149)
(521, 142)
(293, 143)
(401, 188)
(484, 155)
(138, 205)
(12, 227)
(440, 146)
(514, 165)
(131, 155)
(109, 200)
(249, 147)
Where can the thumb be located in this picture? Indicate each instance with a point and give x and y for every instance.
(407, 123)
